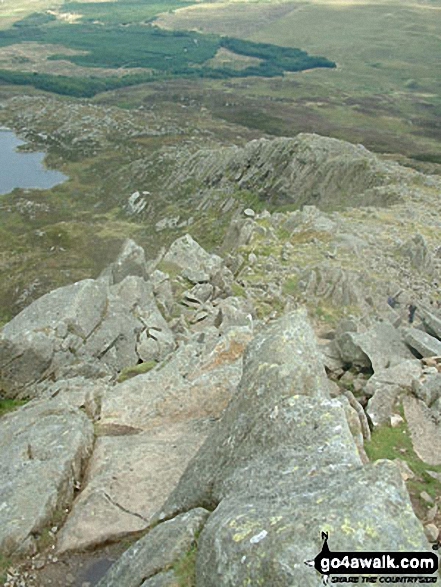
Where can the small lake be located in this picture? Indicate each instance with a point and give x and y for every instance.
(23, 170)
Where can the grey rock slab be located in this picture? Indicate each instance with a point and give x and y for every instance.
(197, 382)
(266, 540)
(423, 343)
(77, 392)
(384, 404)
(281, 362)
(186, 253)
(130, 261)
(24, 360)
(79, 307)
(425, 432)
(43, 450)
(428, 388)
(129, 476)
(403, 375)
(432, 322)
(158, 550)
(381, 346)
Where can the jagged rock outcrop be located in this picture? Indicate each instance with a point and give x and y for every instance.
(431, 322)
(423, 343)
(307, 169)
(194, 262)
(86, 328)
(280, 467)
(418, 254)
(44, 447)
(150, 427)
(379, 347)
(387, 387)
(131, 261)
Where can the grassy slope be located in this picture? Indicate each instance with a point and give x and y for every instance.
(385, 93)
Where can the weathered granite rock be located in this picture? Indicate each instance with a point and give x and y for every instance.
(387, 387)
(129, 475)
(197, 382)
(44, 447)
(87, 328)
(266, 541)
(130, 261)
(425, 432)
(302, 170)
(385, 403)
(281, 467)
(282, 362)
(402, 375)
(190, 257)
(163, 292)
(432, 323)
(78, 392)
(158, 550)
(149, 429)
(380, 347)
(423, 343)
(417, 251)
(428, 389)
(333, 283)
(234, 312)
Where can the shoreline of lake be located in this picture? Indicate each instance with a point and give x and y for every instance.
(23, 170)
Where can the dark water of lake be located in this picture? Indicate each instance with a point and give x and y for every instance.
(23, 170)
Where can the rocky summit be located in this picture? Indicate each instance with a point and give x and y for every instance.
(201, 417)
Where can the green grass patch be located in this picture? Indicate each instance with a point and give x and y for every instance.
(9, 405)
(291, 286)
(130, 372)
(122, 11)
(395, 443)
(5, 563)
(185, 569)
(238, 290)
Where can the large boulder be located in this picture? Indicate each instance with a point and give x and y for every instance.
(387, 387)
(192, 260)
(129, 474)
(143, 563)
(428, 388)
(130, 261)
(431, 322)
(424, 344)
(425, 430)
(44, 447)
(150, 427)
(416, 251)
(282, 466)
(87, 324)
(380, 347)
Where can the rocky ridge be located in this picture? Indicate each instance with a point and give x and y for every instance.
(194, 397)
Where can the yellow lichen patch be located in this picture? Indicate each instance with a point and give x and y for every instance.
(347, 528)
(243, 531)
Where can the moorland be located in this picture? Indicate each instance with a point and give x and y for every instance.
(150, 83)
